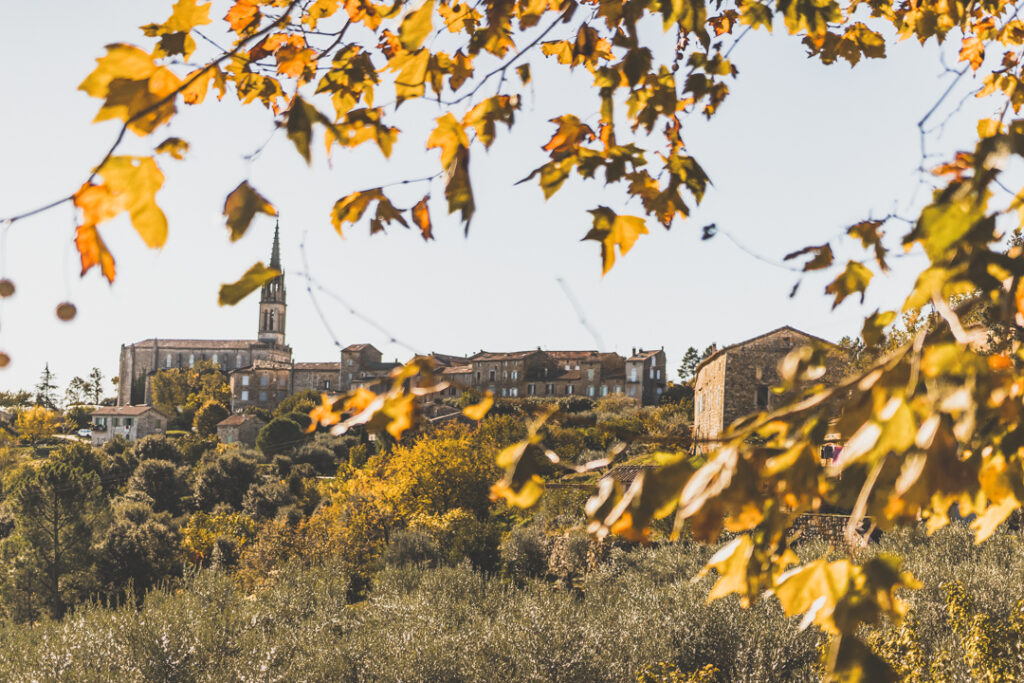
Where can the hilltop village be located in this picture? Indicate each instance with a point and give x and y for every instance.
(262, 371)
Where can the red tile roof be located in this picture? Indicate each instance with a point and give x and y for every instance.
(237, 419)
(125, 411)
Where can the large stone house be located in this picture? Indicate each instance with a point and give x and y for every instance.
(239, 428)
(129, 422)
(737, 380)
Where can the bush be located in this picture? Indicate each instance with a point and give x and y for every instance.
(320, 458)
(208, 416)
(157, 447)
(163, 482)
(302, 402)
(409, 546)
(524, 553)
(223, 478)
(280, 435)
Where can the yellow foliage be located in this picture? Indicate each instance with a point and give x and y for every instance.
(36, 424)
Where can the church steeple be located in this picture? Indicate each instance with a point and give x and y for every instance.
(275, 252)
(272, 298)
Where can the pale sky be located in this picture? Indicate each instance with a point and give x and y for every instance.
(798, 152)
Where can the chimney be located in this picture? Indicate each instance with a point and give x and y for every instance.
(634, 350)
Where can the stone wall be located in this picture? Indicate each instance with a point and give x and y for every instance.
(708, 393)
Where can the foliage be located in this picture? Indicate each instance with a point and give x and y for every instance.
(16, 399)
(205, 532)
(223, 478)
(56, 509)
(139, 550)
(180, 392)
(157, 447)
(36, 424)
(208, 416)
(280, 435)
(76, 393)
(163, 482)
(77, 417)
(301, 401)
(688, 366)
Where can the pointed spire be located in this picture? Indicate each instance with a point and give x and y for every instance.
(275, 253)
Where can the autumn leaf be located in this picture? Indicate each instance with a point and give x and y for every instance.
(93, 251)
(854, 279)
(198, 84)
(176, 147)
(351, 208)
(412, 73)
(421, 217)
(417, 26)
(244, 16)
(448, 136)
(241, 206)
(137, 180)
(300, 126)
(613, 230)
(255, 277)
(477, 411)
(972, 51)
(822, 257)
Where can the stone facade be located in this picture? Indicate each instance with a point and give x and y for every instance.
(646, 375)
(130, 422)
(737, 381)
(240, 428)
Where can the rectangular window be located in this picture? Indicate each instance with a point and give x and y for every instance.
(214, 359)
(590, 390)
(590, 374)
(698, 404)
(658, 374)
(191, 359)
(652, 372)
(127, 422)
(504, 391)
(514, 391)
(327, 384)
(490, 376)
(515, 374)
(761, 399)
(632, 374)
(263, 380)
(654, 361)
(245, 394)
(245, 380)
(167, 361)
(263, 396)
(570, 390)
(549, 389)
(531, 389)
(604, 389)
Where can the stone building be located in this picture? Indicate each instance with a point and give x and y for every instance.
(129, 422)
(240, 428)
(646, 375)
(737, 380)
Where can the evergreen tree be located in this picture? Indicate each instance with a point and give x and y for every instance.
(95, 386)
(688, 368)
(46, 389)
(56, 513)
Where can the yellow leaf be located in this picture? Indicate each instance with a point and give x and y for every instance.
(730, 561)
(244, 16)
(814, 589)
(412, 73)
(972, 51)
(122, 61)
(527, 496)
(185, 16)
(449, 136)
(351, 208)
(421, 217)
(417, 26)
(176, 147)
(477, 411)
(612, 231)
(195, 91)
(241, 207)
(254, 277)
(137, 180)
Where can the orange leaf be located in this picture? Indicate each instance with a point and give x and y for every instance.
(973, 51)
(421, 217)
(93, 251)
(243, 15)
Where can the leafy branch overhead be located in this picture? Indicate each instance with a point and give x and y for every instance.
(934, 421)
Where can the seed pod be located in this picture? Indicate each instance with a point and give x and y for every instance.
(66, 311)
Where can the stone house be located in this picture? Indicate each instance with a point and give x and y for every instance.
(646, 375)
(737, 380)
(130, 422)
(239, 428)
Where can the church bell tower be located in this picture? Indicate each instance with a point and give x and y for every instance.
(272, 300)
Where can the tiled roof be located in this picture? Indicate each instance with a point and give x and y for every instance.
(447, 359)
(237, 419)
(625, 474)
(573, 355)
(457, 370)
(358, 347)
(317, 366)
(502, 355)
(125, 411)
(719, 352)
(198, 343)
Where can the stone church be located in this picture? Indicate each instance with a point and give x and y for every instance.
(261, 370)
